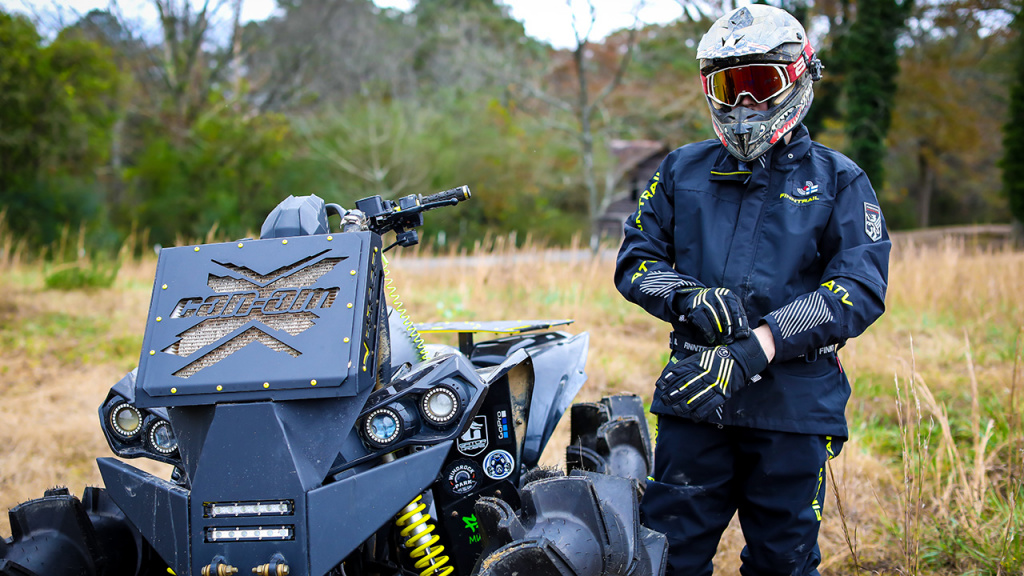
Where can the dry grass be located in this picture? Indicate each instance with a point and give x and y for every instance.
(929, 460)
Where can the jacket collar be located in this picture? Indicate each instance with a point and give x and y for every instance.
(728, 168)
(799, 146)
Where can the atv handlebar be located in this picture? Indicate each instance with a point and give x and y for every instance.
(406, 213)
(457, 194)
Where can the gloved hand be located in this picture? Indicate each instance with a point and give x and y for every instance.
(716, 312)
(699, 384)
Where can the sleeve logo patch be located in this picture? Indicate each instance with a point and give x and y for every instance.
(872, 222)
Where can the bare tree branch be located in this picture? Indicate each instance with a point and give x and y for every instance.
(624, 62)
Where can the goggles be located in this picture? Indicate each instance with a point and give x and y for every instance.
(761, 82)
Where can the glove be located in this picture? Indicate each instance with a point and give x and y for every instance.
(698, 385)
(716, 312)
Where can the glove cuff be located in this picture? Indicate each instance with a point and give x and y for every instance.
(748, 353)
(679, 302)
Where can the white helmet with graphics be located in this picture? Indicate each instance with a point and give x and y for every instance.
(762, 52)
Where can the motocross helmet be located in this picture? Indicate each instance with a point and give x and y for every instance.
(763, 52)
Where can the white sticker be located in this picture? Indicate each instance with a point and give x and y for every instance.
(872, 222)
(474, 440)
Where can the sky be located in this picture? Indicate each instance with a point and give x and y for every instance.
(546, 20)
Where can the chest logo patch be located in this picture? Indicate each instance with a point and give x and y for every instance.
(808, 189)
(872, 222)
(802, 195)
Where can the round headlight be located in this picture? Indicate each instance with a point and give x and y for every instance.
(440, 405)
(161, 437)
(126, 420)
(382, 427)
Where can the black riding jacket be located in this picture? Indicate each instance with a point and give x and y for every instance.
(797, 235)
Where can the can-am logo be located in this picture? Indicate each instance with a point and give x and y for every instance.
(242, 304)
(282, 301)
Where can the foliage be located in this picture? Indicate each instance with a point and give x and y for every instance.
(81, 275)
(55, 121)
(871, 79)
(320, 52)
(204, 126)
(661, 98)
(974, 506)
(510, 162)
(468, 45)
(951, 99)
(238, 165)
(1013, 132)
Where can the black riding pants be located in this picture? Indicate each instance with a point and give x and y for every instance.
(703, 474)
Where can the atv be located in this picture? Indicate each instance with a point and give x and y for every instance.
(313, 432)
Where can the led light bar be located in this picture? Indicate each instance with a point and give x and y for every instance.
(240, 509)
(250, 533)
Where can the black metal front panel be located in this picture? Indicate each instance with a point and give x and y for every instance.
(262, 319)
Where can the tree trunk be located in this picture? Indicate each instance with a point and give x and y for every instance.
(925, 188)
(584, 110)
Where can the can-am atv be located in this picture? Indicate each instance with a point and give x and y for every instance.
(312, 432)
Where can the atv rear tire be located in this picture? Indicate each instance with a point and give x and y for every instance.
(611, 437)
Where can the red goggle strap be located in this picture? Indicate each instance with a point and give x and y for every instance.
(797, 68)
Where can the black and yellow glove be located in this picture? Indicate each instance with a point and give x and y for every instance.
(716, 312)
(699, 384)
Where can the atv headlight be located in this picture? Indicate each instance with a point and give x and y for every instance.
(126, 420)
(161, 437)
(440, 405)
(383, 427)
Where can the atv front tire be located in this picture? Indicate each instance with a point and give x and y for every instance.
(586, 524)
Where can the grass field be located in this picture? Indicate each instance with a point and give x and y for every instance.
(929, 483)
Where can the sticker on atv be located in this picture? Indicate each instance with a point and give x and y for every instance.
(474, 441)
(499, 465)
(463, 476)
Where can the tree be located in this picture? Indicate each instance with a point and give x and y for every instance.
(1013, 130)
(951, 95)
(574, 88)
(872, 64)
(56, 112)
(323, 52)
(831, 51)
(660, 97)
(466, 46)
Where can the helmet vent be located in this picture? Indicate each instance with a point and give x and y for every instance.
(742, 18)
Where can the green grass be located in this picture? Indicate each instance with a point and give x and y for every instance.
(70, 339)
(81, 275)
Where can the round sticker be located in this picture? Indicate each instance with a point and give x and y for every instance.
(463, 477)
(499, 465)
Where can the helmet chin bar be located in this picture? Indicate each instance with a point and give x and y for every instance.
(743, 117)
(745, 126)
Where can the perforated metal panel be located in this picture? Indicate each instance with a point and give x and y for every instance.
(257, 319)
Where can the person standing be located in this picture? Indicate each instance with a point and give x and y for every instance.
(765, 252)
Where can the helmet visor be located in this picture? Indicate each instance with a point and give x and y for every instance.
(760, 81)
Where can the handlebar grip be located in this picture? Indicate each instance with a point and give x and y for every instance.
(458, 194)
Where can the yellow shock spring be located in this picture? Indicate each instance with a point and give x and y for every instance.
(417, 529)
(392, 290)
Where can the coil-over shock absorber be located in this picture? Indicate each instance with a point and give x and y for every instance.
(418, 534)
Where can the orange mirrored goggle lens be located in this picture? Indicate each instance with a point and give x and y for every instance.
(760, 81)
